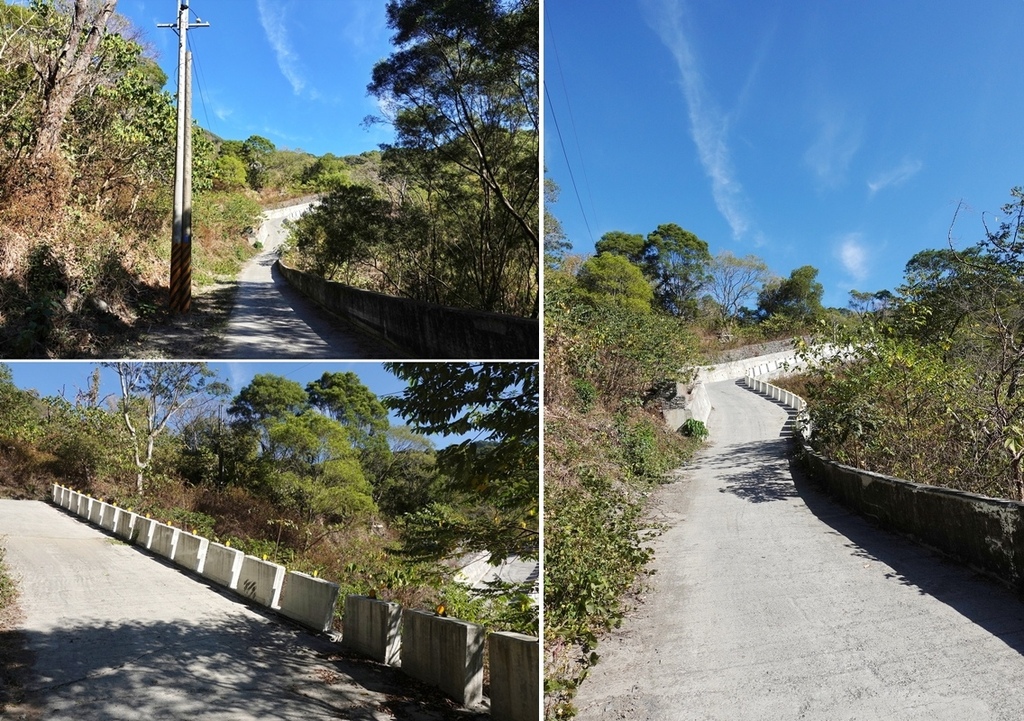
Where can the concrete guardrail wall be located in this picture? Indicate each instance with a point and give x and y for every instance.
(424, 330)
(448, 653)
(445, 652)
(984, 533)
(308, 601)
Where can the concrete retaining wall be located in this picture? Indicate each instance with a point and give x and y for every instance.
(190, 551)
(163, 540)
(372, 627)
(96, 511)
(444, 652)
(125, 527)
(515, 676)
(308, 600)
(984, 533)
(260, 581)
(222, 565)
(110, 514)
(424, 330)
(142, 531)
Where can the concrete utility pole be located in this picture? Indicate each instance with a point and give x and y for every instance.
(181, 237)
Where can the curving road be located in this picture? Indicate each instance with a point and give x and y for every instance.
(270, 319)
(117, 635)
(770, 602)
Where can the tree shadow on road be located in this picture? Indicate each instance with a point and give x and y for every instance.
(241, 667)
(977, 598)
(757, 472)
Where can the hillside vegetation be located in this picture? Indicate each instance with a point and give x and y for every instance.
(87, 136)
(313, 477)
(930, 390)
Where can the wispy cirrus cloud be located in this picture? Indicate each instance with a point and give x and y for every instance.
(907, 169)
(837, 140)
(853, 254)
(272, 18)
(709, 127)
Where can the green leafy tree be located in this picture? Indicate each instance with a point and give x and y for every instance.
(346, 228)
(796, 299)
(256, 152)
(317, 468)
(609, 280)
(631, 246)
(463, 83)
(492, 480)
(267, 398)
(676, 261)
(229, 173)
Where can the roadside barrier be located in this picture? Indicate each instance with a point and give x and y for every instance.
(986, 534)
(444, 652)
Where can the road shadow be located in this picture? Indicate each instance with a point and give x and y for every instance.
(238, 667)
(977, 598)
(755, 471)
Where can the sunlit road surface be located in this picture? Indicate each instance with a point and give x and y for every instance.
(771, 602)
(270, 319)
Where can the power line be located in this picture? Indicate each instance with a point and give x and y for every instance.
(568, 165)
(548, 35)
(200, 79)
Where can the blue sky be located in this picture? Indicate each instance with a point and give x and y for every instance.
(293, 71)
(841, 135)
(52, 378)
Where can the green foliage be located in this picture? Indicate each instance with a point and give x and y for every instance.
(229, 173)
(493, 479)
(463, 83)
(609, 280)
(795, 300)
(624, 354)
(586, 394)
(673, 260)
(694, 428)
(348, 227)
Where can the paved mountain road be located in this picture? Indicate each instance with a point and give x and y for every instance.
(770, 602)
(270, 319)
(118, 635)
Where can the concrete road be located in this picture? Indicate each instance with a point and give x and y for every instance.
(118, 635)
(769, 602)
(270, 319)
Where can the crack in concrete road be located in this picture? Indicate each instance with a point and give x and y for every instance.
(118, 635)
(270, 319)
(771, 602)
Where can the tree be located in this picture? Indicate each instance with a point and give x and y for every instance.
(676, 261)
(556, 244)
(256, 152)
(229, 173)
(346, 228)
(796, 299)
(343, 397)
(62, 66)
(465, 81)
(631, 246)
(462, 94)
(317, 469)
(152, 394)
(673, 260)
(733, 281)
(493, 479)
(609, 280)
(267, 398)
